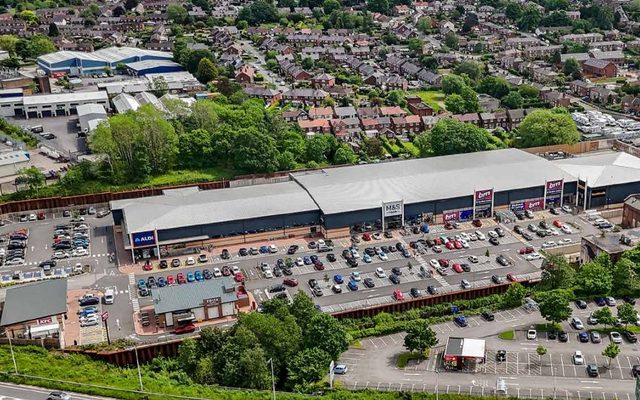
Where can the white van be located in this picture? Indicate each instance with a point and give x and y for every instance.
(109, 296)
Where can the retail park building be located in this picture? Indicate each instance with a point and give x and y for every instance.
(334, 201)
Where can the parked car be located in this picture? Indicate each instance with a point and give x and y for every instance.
(182, 329)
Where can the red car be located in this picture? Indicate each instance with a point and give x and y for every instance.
(443, 262)
(527, 250)
(448, 226)
(147, 266)
(366, 237)
(477, 223)
(171, 280)
(185, 329)
(290, 282)
(226, 271)
(397, 294)
(181, 279)
(319, 265)
(511, 277)
(438, 241)
(239, 277)
(456, 267)
(457, 244)
(21, 232)
(450, 245)
(557, 223)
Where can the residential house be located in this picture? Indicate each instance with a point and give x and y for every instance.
(345, 112)
(556, 99)
(488, 120)
(502, 120)
(368, 112)
(579, 57)
(630, 104)
(245, 74)
(347, 127)
(603, 95)
(320, 113)
(307, 96)
(294, 115)
(611, 45)
(580, 88)
(393, 111)
(536, 52)
(428, 122)
(420, 108)
(469, 118)
(515, 117)
(315, 125)
(323, 79)
(521, 42)
(616, 57)
(266, 94)
(488, 103)
(582, 38)
(601, 68)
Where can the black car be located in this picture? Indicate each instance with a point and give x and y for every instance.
(313, 283)
(352, 262)
(89, 301)
(392, 249)
(406, 254)
(488, 316)
(175, 262)
(207, 274)
(496, 279)
(292, 249)
(388, 234)
(635, 370)
(277, 272)
(243, 252)
(581, 304)
(51, 263)
(563, 336)
(415, 292)
(163, 264)
(520, 215)
(501, 355)
(518, 229)
(500, 231)
(368, 282)
(59, 246)
(502, 260)
(277, 288)
(151, 282)
(494, 241)
(544, 225)
(370, 251)
(552, 335)
(629, 299)
(280, 263)
(592, 370)
(432, 290)
(287, 271)
(225, 254)
(465, 267)
(630, 336)
(395, 279)
(396, 271)
(541, 233)
(331, 257)
(399, 246)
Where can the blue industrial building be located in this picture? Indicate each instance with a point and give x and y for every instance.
(141, 68)
(78, 63)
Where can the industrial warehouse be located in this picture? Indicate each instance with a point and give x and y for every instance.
(334, 202)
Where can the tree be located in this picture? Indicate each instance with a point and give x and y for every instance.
(541, 350)
(254, 151)
(423, 143)
(379, 6)
(512, 100)
(159, 86)
(53, 30)
(196, 148)
(554, 306)
(514, 296)
(176, 13)
(118, 11)
(572, 68)
(33, 177)
(415, 46)
(28, 16)
(424, 25)
(303, 310)
(325, 333)
(451, 41)
(472, 69)
(206, 71)
(319, 148)
(453, 84)
(130, 4)
(344, 155)
(449, 136)
(190, 59)
(547, 127)
(330, 6)
(530, 18)
(494, 86)
(373, 147)
(420, 337)
(8, 43)
(627, 314)
(604, 316)
(624, 277)
(557, 273)
(308, 366)
(611, 351)
(594, 279)
(471, 102)
(454, 103)
(529, 92)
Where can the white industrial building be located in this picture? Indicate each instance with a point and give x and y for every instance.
(13, 161)
(124, 102)
(51, 105)
(90, 115)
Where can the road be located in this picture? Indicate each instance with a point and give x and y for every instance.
(248, 47)
(525, 372)
(9, 391)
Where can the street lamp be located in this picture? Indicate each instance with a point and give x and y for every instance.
(135, 349)
(273, 381)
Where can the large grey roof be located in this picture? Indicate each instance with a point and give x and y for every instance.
(361, 187)
(603, 169)
(33, 301)
(184, 297)
(177, 209)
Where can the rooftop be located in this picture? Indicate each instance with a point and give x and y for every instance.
(65, 98)
(187, 208)
(185, 297)
(603, 169)
(361, 187)
(610, 242)
(33, 301)
(465, 347)
(13, 157)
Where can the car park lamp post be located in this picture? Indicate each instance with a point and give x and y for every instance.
(437, 382)
(273, 381)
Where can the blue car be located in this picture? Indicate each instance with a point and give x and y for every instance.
(199, 276)
(338, 279)
(162, 282)
(307, 260)
(366, 258)
(352, 285)
(460, 320)
(601, 301)
(88, 311)
(314, 258)
(190, 277)
(141, 284)
(264, 249)
(583, 337)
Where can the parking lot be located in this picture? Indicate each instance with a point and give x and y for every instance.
(65, 129)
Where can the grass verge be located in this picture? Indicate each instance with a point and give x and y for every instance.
(548, 327)
(434, 98)
(507, 335)
(403, 358)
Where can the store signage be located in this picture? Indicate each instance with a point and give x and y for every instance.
(211, 302)
(392, 209)
(44, 321)
(144, 239)
(450, 216)
(465, 215)
(517, 206)
(484, 196)
(532, 204)
(554, 186)
(105, 315)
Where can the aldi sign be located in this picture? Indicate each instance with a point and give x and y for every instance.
(392, 209)
(554, 186)
(484, 196)
(144, 239)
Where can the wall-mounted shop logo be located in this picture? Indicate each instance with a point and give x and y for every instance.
(451, 216)
(554, 186)
(484, 195)
(144, 239)
(391, 209)
(533, 204)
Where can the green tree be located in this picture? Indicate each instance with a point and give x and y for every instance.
(547, 127)
(415, 46)
(452, 41)
(189, 354)
(529, 19)
(190, 59)
(330, 6)
(627, 314)
(512, 100)
(33, 177)
(604, 316)
(53, 30)
(541, 350)
(206, 71)
(454, 103)
(286, 161)
(594, 279)
(8, 43)
(625, 278)
(195, 148)
(373, 147)
(529, 92)
(420, 337)
(159, 86)
(308, 366)
(176, 13)
(611, 352)
(379, 6)
(453, 84)
(425, 25)
(513, 10)
(344, 155)
(514, 296)
(319, 148)
(554, 306)
(423, 143)
(494, 86)
(325, 333)
(449, 136)
(472, 69)
(572, 68)
(28, 16)
(471, 102)
(254, 151)
(303, 310)
(557, 273)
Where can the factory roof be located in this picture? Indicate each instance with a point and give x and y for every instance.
(604, 169)
(149, 64)
(13, 157)
(64, 98)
